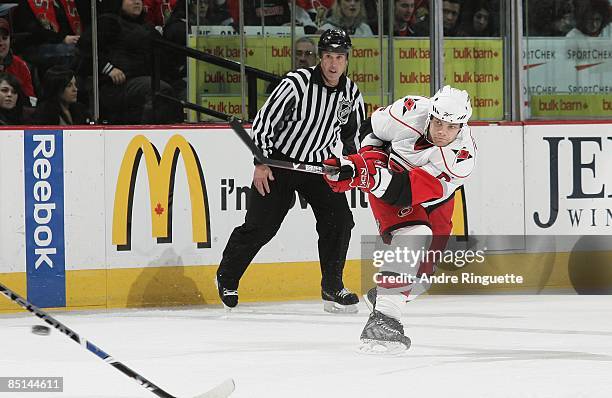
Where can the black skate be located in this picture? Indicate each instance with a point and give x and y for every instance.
(370, 298)
(383, 335)
(229, 297)
(340, 301)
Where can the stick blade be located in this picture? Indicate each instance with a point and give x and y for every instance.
(223, 390)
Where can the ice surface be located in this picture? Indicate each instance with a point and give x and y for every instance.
(462, 346)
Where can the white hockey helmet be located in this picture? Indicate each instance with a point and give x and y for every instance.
(450, 105)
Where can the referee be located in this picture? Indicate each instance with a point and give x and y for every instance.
(302, 120)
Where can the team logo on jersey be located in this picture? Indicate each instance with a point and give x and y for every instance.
(461, 155)
(409, 104)
(344, 110)
(405, 211)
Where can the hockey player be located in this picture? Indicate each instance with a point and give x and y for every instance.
(415, 154)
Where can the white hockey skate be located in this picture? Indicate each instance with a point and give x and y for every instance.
(383, 335)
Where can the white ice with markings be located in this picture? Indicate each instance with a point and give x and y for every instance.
(462, 346)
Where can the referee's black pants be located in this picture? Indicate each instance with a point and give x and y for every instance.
(265, 214)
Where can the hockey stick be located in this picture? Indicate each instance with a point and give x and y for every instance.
(282, 164)
(223, 390)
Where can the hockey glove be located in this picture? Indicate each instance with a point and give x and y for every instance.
(357, 170)
(340, 182)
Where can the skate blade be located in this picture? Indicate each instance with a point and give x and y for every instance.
(368, 302)
(382, 348)
(334, 308)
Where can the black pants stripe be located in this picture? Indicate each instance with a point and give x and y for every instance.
(265, 214)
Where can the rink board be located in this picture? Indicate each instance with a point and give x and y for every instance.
(89, 251)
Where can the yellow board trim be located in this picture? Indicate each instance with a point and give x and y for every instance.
(194, 285)
(15, 281)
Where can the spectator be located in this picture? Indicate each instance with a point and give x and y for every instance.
(479, 20)
(53, 27)
(403, 23)
(12, 100)
(350, 16)
(549, 17)
(210, 12)
(564, 20)
(274, 12)
(592, 19)
(158, 11)
(371, 8)
(305, 53)
(451, 11)
(305, 57)
(58, 102)
(316, 9)
(125, 50)
(175, 29)
(421, 18)
(305, 19)
(175, 65)
(13, 64)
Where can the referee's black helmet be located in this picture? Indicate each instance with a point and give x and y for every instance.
(335, 41)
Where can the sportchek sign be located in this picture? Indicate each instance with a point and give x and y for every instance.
(567, 77)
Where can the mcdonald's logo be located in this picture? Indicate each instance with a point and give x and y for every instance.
(161, 171)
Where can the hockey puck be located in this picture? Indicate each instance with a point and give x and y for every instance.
(41, 330)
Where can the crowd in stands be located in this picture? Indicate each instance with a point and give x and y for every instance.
(46, 60)
(360, 17)
(569, 18)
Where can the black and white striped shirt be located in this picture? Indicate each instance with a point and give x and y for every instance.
(303, 119)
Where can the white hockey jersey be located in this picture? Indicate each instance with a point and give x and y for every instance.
(402, 124)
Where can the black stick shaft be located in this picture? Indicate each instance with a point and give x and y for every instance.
(22, 302)
(307, 168)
